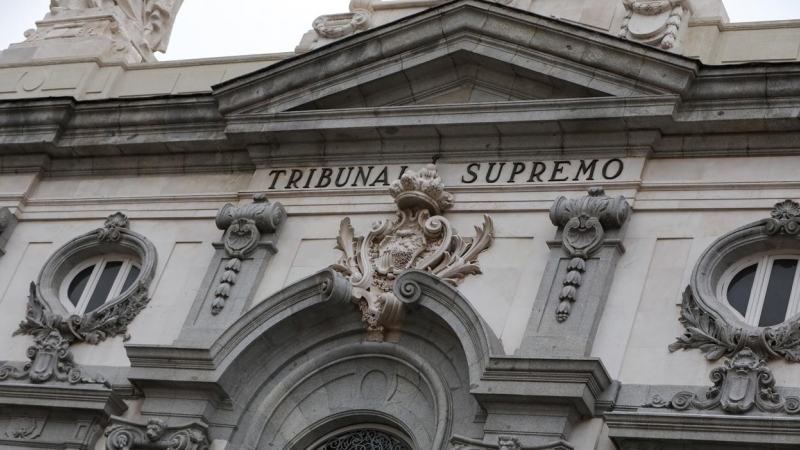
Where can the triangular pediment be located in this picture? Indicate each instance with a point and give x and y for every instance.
(461, 52)
(456, 78)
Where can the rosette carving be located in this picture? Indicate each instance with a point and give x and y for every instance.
(417, 239)
(155, 434)
(744, 382)
(584, 222)
(654, 22)
(243, 226)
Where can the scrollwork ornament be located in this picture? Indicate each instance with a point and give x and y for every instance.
(111, 229)
(505, 443)
(155, 434)
(416, 240)
(785, 218)
(50, 360)
(741, 384)
(243, 226)
(584, 222)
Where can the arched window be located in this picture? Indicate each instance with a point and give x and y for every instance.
(363, 438)
(763, 290)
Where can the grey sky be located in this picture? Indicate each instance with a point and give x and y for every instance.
(205, 28)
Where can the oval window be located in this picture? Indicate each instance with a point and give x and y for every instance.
(763, 291)
(94, 282)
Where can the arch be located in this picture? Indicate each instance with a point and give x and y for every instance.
(297, 366)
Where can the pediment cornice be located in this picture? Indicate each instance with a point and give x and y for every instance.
(523, 40)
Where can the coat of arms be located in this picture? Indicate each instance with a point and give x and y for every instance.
(420, 238)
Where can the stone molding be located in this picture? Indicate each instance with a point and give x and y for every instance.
(710, 326)
(654, 22)
(243, 226)
(659, 430)
(505, 443)
(45, 312)
(420, 239)
(123, 434)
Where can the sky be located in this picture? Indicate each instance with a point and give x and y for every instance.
(241, 27)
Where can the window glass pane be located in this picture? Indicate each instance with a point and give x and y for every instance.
(778, 291)
(740, 287)
(78, 284)
(132, 276)
(104, 285)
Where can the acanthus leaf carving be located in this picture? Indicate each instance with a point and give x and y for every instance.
(415, 240)
(715, 336)
(243, 226)
(744, 382)
(155, 434)
(584, 222)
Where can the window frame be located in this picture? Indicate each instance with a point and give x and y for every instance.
(758, 292)
(100, 263)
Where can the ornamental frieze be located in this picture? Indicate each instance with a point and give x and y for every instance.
(420, 238)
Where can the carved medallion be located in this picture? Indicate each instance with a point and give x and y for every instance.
(654, 22)
(742, 383)
(418, 239)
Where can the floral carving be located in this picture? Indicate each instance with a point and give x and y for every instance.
(111, 229)
(21, 428)
(742, 383)
(243, 226)
(418, 239)
(584, 222)
(50, 360)
(639, 23)
(155, 434)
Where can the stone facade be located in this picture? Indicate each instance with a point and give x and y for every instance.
(436, 225)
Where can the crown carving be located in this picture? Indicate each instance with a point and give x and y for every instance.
(422, 190)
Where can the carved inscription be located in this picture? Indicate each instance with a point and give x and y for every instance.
(470, 174)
